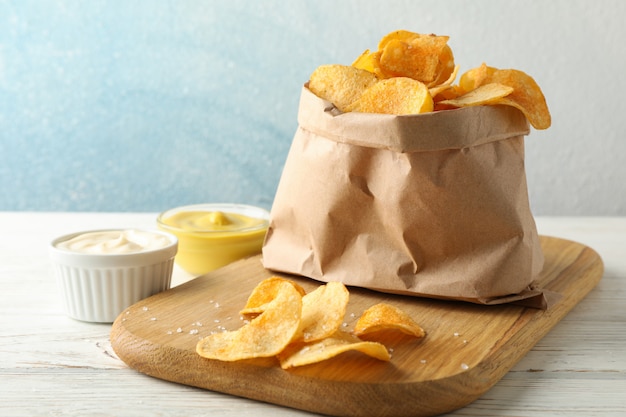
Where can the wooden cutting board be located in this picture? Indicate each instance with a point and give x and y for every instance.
(468, 347)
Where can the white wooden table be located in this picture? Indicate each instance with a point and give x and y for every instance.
(51, 365)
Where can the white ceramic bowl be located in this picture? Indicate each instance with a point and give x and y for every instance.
(98, 287)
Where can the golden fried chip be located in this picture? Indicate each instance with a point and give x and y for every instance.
(370, 61)
(299, 354)
(264, 293)
(449, 93)
(266, 335)
(397, 35)
(446, 85)
(475, 77)
(398, 95)
(340, 84)
(445, 68)
(416, 58)
(526, 96)
(365, 61)
(323, 311)
(384, 316)
(485, 94)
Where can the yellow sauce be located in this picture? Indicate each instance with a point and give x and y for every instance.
(208, 240)
(212, 221)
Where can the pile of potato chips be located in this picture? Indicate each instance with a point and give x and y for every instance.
(302, 328)
(411, 73)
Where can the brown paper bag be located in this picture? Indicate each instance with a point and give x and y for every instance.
(432, 205)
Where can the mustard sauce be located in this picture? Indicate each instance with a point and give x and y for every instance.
(212, 221)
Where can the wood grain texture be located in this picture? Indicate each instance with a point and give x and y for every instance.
(468, 347)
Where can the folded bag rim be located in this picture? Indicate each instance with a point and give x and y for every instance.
(432, 131)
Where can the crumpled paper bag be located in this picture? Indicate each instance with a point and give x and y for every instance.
(432, 205)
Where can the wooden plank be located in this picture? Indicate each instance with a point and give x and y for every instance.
(467, 350)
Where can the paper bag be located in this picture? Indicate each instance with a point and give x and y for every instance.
(433, 205)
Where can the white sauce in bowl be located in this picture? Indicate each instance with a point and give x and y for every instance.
(115, 242)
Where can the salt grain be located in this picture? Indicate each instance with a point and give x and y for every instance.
(456, 334)
(179, 330)
(423, 361)
(464, 366)
(145, 309)
(153, 319)
(193, 331)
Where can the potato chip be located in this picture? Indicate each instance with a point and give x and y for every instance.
(474, 78)
(340, 84)
(485, 94)
(397, 35)
(370, 61)
(526, 96)
(398, 95)
(266, 335)
(264, 293)
(429, 60)
(300, 354)
(445, 68)
(446, 85)
(365, 61)
(416, 57)
(384, 316)
(323, 311)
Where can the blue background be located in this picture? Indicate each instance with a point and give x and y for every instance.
(147, 105)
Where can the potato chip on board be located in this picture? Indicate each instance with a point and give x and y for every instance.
(266, 335)
(323, 311)
(384, 316)
(300, 354)
(398, 95)
(264, 293)
(340, 84)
